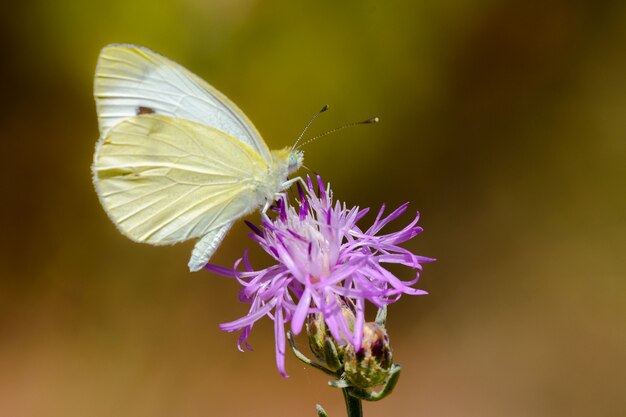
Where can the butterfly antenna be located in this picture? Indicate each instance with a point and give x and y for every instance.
(323, 109)
(337, 129)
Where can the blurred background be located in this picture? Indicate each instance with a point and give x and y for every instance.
(504, 123)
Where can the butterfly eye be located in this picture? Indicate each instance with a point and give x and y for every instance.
(295, 161)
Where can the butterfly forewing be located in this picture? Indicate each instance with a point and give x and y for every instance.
(164, 180)
(132, 80)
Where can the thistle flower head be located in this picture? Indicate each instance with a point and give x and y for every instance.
(322, 259)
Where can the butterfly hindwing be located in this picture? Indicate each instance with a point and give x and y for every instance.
(164, 180)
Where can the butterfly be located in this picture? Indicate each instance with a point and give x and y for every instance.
(176, 159)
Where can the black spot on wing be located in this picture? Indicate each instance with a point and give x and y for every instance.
(144, 110)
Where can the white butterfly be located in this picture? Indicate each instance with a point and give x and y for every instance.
(176, 159)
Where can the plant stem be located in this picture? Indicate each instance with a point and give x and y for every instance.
(353, 405)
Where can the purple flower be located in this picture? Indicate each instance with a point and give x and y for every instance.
(322, 257)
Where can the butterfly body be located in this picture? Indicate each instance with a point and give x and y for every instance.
(176, 159)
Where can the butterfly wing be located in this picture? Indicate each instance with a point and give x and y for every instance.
(164, 180)
(132, 80)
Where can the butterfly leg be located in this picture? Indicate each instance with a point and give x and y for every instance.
(282, 194)
(268, 204)
(266, 207)
(279, 195)
(292, 181)
(286, 186)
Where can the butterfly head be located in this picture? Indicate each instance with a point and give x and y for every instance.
(286, 162)
(296, 157)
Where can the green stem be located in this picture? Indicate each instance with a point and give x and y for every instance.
(353, 405)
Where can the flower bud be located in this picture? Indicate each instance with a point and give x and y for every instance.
(318, 333)
(322, 344)
(369, 366)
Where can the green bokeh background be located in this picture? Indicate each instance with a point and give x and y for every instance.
(503, 122)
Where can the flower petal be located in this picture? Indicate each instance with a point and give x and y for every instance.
(297, 321)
